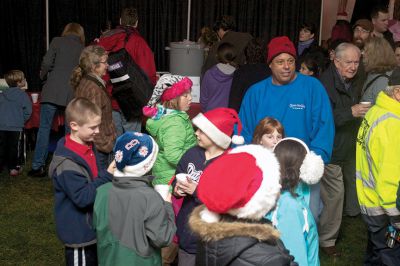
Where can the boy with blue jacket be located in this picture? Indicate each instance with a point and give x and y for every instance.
(15, 110)
(76, 176)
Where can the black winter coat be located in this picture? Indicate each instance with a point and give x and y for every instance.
(238, 243)
(346, 125)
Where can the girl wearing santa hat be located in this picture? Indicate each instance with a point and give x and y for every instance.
(292, 216)
(214, 136)
(236, 190)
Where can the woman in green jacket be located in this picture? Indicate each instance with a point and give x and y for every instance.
(169, 124)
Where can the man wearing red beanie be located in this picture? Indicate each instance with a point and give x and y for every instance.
(299, 102)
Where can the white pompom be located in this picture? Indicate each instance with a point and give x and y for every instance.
(209, 216)
(312, 169)
(238, 140)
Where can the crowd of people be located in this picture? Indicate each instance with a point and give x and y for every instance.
(291, 138)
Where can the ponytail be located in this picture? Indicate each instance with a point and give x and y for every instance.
(76, 77)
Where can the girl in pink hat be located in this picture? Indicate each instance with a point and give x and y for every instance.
(169, 124)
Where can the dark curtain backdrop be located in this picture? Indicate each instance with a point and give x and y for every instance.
(22, 24)
(160, 22)
(362, 8)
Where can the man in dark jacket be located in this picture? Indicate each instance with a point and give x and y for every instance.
(224, 28)
(344, 97)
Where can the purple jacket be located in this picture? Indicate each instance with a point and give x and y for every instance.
(215, 89)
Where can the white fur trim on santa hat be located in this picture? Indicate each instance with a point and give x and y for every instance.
(312, 168)
(141, 168)
(216, 135)
(238, 140)
(209, 216)
(267, 194)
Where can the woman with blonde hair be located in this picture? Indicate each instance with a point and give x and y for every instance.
(87, 83)
(57, 65)
(379, 61)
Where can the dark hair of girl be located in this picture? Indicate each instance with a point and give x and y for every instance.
(290, 155)
(226, 53)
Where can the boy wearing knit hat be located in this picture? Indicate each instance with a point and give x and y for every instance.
(214, 136)
(132, 221)
(237, 190)
(299, 102)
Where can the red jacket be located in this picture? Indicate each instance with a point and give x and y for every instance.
(136, 46)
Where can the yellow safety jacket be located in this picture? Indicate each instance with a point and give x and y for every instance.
(378, 158)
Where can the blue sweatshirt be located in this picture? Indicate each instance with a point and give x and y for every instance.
(15, 109)
(302, 106)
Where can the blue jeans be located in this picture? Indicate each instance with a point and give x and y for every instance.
(47, 112)
(122, 126)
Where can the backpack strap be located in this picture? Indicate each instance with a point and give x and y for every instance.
(117, 31)
(372, 81)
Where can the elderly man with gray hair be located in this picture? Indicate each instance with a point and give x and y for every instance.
(338, 184)
(378, 175)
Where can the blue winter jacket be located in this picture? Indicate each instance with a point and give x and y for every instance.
(297, 227)
(302, 106)
(75, 192)
(15, 109)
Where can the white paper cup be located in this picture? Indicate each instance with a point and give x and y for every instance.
(163, 190)
(366, 103)
(181, 177)
(35, 97)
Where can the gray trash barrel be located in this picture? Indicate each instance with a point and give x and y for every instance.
(185, 58)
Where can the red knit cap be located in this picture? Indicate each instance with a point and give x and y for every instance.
(279, 45)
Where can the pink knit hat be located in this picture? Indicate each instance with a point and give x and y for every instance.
(168, 87)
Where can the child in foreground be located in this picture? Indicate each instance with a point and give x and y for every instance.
(237, 190)
(292, 216)
(132, 221)
(15, 110)
(214, 136)
(76, 175)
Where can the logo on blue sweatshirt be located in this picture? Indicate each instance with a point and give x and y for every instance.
(297, 106)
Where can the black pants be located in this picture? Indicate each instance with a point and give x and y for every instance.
(76, 256)
(9, 148)
(378, 253)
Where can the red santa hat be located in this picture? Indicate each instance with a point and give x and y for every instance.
(218, 124)
(243, 183)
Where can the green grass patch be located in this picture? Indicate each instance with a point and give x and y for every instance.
(27, 230)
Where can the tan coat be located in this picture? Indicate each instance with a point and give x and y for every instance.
(93, 89)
